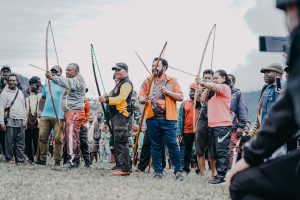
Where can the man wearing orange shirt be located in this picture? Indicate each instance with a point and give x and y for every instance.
(185, 125)
(161, 116)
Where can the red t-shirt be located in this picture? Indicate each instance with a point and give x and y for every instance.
(219, 108)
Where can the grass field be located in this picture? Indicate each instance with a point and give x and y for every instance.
(49, 182)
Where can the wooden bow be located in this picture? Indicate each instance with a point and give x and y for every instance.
(197, 92)
(98, 89)
(49, 27)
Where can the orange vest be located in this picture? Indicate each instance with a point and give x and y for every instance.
(171, 107)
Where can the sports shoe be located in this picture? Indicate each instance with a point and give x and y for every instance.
(216, 180)
(57, 163)
(157, 176)
(69, 165)
(179, 176)
(120, 173)
(138, 170)
(89, 166)
(40, 162)
(10, 162)
(26, 163)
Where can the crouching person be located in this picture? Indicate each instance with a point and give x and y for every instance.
(12, 120)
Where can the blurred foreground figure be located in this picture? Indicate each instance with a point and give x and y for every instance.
(251, 178)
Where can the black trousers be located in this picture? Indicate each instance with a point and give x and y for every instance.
(276, 179)
(188, 142)
(222, 136)
(120, 130)
(146, 153)
(84, 145)
(2, 142)
(31, 142)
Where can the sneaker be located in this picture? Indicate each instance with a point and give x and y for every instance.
(138, 170)
(89, 166)
(179, 176)
(115, 168)
(10, 162)
(216, 180)
(57, 163)
(120, 173)
(157, 176)
(40, 162)
(69, 165)
(26, 162)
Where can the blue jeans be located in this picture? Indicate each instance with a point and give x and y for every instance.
(104, 150)
(163, 131)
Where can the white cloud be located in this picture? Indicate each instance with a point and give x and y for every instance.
(117, 28)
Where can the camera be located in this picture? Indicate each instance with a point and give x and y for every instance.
(274, 44)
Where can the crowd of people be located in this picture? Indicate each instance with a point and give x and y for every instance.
(211, 125)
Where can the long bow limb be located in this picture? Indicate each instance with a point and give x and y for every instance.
(95, 57)
(213, 30)
(143, 115)
(99, 92)
(49, 27)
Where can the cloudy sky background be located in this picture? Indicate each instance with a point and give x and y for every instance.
(119, 27)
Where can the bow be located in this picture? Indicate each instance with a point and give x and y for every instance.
(213, 30)
(98, 89)
(49, 27)
(143, 115)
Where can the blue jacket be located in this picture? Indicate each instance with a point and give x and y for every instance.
(268, 96)
(239, 108)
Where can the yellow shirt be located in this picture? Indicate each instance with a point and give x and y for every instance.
(120, 101)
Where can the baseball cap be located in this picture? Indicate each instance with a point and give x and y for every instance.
(120, 66)
(35, 80)
(273, 67)
(56, 68)
(6, 67)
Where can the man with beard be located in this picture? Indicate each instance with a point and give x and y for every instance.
(185, 125)
(32, 130)
(239, 115)
(49, 122)
(119, 101)
(13, 120)
(251, 178)
(161, 116)
(73, 106)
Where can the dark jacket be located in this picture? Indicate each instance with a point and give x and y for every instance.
(239, 108)
(283, 119)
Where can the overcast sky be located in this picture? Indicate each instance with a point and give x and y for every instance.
(119, 27)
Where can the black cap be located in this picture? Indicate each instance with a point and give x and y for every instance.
(120, 66)
(35, 80)
(6, 67)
